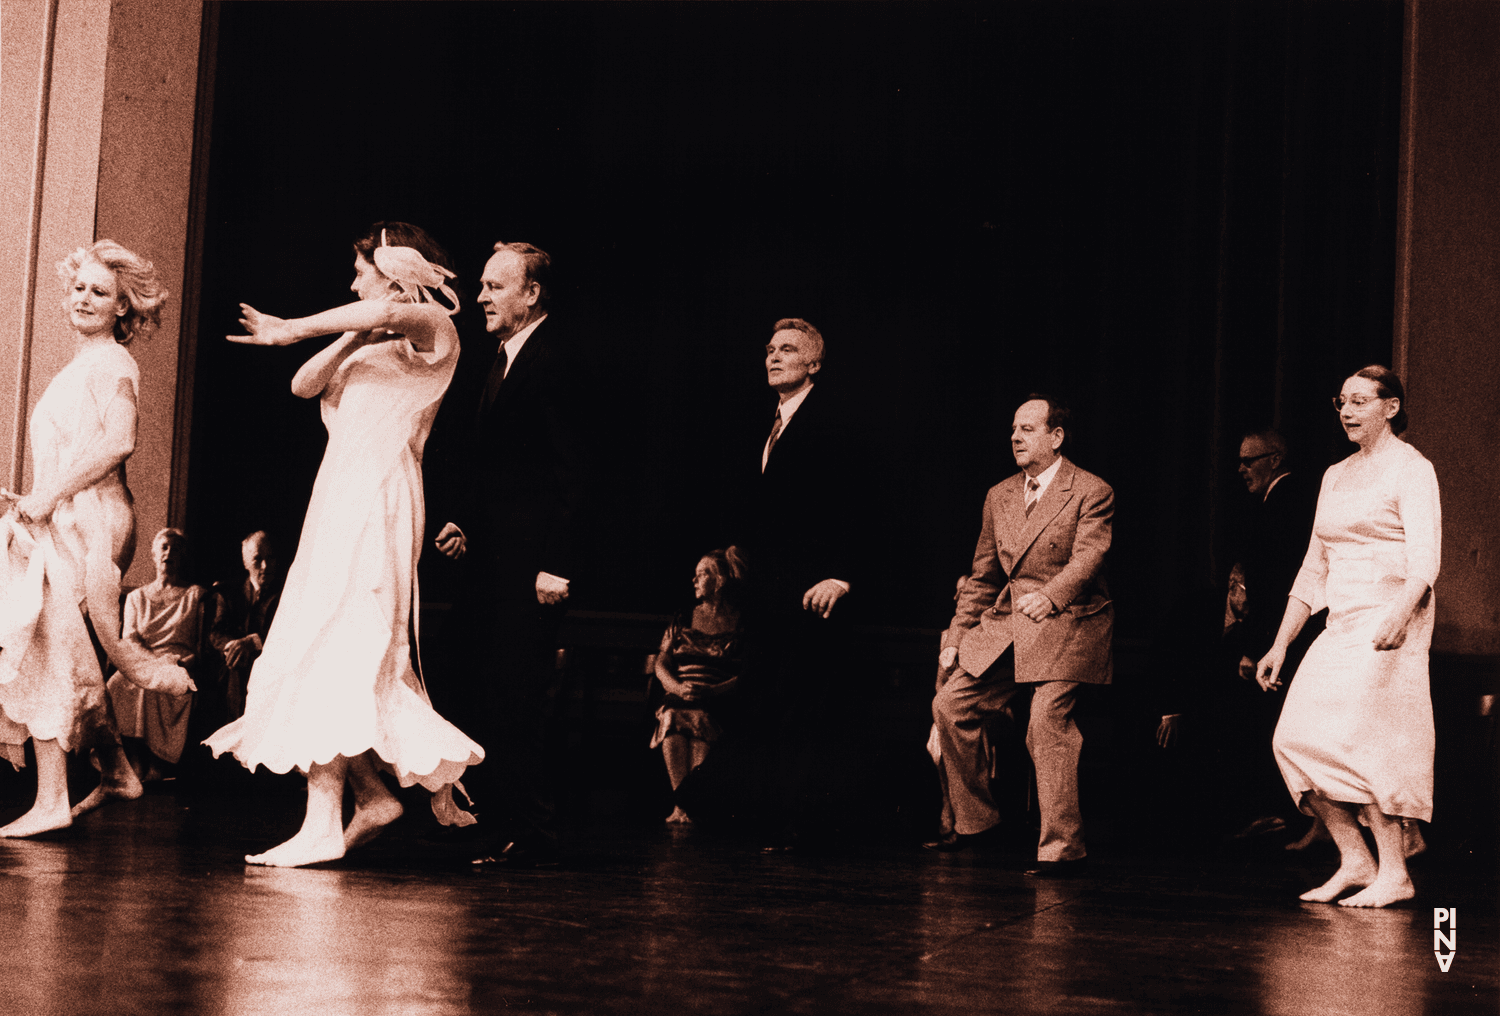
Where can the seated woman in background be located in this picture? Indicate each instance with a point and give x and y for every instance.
(699, 662)
(164, 617)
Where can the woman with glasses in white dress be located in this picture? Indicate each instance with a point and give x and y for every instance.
(1355, 739)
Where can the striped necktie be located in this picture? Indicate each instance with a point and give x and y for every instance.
(1031, 494)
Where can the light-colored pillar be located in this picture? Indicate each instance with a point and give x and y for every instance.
(145, 173)
(51, 156)
(1447, 342)
(97, 103)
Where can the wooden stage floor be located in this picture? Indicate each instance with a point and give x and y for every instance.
(146, 907)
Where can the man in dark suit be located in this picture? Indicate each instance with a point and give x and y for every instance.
(1270, 552)
(512, 517)
(1035, 613)
(801, 544)
(242, 618)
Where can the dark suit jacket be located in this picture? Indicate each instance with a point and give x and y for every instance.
(1271, 553)
(513, 477)
(805, 511)
(1058, 551)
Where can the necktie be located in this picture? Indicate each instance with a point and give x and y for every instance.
(775, 431)
(1031, 496)
(492, 383)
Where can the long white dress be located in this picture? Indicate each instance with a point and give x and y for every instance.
(51, 684)
(1357, 724)
(168, 622)
(336, 676)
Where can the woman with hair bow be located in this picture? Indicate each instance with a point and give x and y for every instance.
(334, 692)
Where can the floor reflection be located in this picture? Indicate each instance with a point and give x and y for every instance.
(1347, 960)
(322, 941)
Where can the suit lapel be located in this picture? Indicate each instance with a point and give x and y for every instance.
(1058, 493)
(521, 370)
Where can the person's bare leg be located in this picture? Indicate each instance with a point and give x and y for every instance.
(1356, 867)
(1316, 833)
(50, 811)
(680, 753)
(375, 807)
(1392, 883)
(117, 780)
(321, 837)
(1412, 842)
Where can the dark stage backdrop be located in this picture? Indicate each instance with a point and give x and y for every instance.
(1181, 218)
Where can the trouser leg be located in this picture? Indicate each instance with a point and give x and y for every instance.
(1055, 742)
(960, 709)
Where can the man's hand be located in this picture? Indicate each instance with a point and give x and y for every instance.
(821, 597)
(1247, 669)
(451, 542)
(947, 665)
(1166, 730)
(1035, 606)
(550, 588)
(242, 652)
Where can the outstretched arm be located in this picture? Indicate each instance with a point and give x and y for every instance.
(361, 322)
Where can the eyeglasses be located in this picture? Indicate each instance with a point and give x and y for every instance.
(1246, 460)
(1357, 401)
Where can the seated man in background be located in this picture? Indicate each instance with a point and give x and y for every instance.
(242, 617)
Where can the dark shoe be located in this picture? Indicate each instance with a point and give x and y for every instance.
(949, 843)
(1261, 827)
(516, 857)
(1060, 869)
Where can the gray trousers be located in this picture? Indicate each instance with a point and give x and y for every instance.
(960, 710)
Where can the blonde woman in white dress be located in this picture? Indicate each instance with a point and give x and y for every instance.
(334, 692)
(64, 545)
(1355, 739)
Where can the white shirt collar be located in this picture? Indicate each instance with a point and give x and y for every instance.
(515, 342)
(791, 405)
(1273, 484)
(1045, 476)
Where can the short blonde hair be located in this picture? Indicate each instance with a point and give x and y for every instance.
(135, 277)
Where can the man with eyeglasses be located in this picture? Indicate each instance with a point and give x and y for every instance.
(1270, 549)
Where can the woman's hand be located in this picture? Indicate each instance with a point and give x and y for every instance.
(1268, 670)
(35, 507)
(264, 329)
(1392, 632)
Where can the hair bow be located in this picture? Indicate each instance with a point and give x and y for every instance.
(408, 269)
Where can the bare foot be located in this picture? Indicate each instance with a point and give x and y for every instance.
(1382, 893)
(1412, 842)
(120, 785)
(678, 815)
(304, 848)
(1316, 833)
(1346, 878)
(369, 820)
(37, 820)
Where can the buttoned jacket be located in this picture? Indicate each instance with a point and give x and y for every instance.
(1058, 551)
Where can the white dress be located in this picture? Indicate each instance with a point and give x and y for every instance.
(168, 622)
(1357, 724)
(51, 684)
(336, 676)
